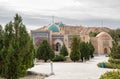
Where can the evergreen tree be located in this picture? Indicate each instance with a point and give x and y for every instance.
(17, 53)
(86, 50)
(82, 47)
(1, 45)
(45, 51)
(1, 37)
(75, 53)
(115, 54)
(64, 51)
(115, 34)
(91, 49)
(93, 34)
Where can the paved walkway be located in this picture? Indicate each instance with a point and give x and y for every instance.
(78, 70)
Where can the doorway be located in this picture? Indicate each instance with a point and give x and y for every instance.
(58, 46)
(105, 51)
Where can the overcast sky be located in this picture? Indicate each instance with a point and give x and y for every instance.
(37, 13)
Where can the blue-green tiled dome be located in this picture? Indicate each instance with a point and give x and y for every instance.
(54, 28)
(61, 24)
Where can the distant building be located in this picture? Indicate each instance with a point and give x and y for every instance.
(59, 33)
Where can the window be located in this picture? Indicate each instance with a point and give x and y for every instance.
(105, 43)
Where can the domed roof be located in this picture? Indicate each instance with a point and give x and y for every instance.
(101, 33)
(54, 28)
(61, 24)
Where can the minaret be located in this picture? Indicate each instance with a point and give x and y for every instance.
(52, 19)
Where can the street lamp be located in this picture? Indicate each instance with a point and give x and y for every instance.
(51, 64)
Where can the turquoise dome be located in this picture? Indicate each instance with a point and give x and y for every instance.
(61, 24)
(54, 28)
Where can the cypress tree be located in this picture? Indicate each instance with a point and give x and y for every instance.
(1, 46)
(18, 51)
(86, 50)
(83, 50)
(91, 49)
(75, 49)
(115, 54)
(64, 51)
(44, 51)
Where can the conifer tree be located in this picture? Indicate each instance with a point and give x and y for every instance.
(84, 50)
(17, 53)
(115, 54)
(64, 51)
(82, 46)
(1, 45)
(44, 51)
(75, 49)
(91, 49)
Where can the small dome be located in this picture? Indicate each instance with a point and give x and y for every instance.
(54, 28)
(101, 33)
(61, 24)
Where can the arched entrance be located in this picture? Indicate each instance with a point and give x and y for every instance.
(58, 46)
(105, 50)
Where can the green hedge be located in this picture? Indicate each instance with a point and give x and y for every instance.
(111, 75)
(59, 58)
(115, 61)
(109, 65)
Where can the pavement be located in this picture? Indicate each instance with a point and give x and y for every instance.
(71, 70)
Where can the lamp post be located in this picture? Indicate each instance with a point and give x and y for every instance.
(51, 64)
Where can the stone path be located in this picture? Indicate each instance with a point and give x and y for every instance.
(78, 70)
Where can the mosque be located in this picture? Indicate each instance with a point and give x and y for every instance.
(59, 33)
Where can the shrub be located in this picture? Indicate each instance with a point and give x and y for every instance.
(59, 58)
(109, 65)
(64, 51)
(75, 49)
(44, 51)
(93, 34)
(115, 61)
(111, 75)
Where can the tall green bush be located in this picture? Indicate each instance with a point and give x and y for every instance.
(64, 51)
(86, 50)
(44, 51)
(16, 49)
(75, 49)
(92, 49)
(115, 54)
(93, 34)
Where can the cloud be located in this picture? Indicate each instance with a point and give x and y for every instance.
(74, 12)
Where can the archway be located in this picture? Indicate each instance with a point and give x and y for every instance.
(58, 46)
(105, 50)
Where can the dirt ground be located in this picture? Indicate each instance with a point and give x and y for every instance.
(32, 75)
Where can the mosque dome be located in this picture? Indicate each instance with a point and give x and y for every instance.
(61, 25)
(54, 28)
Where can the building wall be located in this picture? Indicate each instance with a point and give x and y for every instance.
(65, 36)
(94, 42)
(104, 42)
